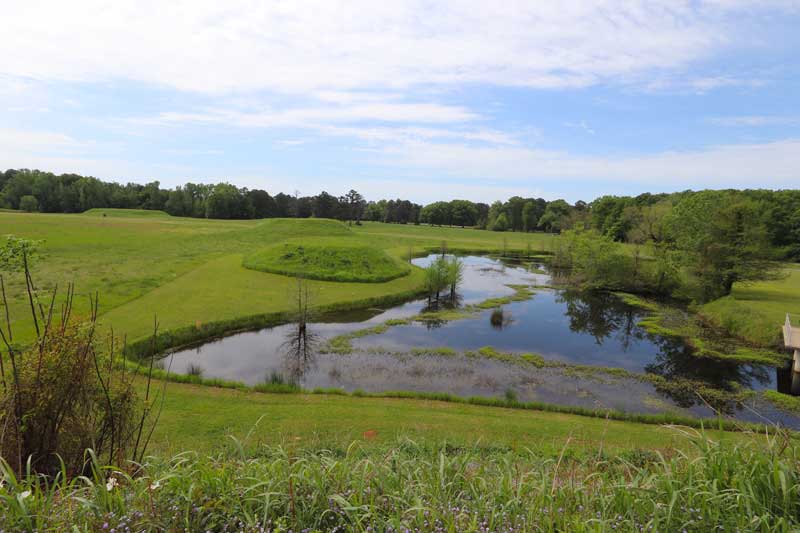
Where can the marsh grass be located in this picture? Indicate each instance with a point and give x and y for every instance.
(405, 484)
(194, 370)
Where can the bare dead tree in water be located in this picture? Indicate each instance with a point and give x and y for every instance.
(300, 345)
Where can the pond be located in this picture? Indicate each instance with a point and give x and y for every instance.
(579, 330)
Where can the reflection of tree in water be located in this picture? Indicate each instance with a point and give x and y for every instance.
(452, 301)
(300, 344)
(500, 319)
(676, 362)
(604, 315)
(601, 315)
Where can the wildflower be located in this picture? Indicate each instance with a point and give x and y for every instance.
(111, 484)
(155, 485)
(24, 494)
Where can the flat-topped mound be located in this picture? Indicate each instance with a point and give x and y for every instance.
(127, 213)
(327, 262)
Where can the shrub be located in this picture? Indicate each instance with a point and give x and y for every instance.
(29, 203)
(61, 394)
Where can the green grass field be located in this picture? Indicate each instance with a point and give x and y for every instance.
(328, 262)
(189, 271)
(757, 311)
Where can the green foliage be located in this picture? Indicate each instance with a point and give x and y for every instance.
(61, 394)
(593, 261)
(716, 486)
(17, 253)
(500, 223)
(29, 203)
(328, 262)
(444, 273)
(723, 240)
(555, 216)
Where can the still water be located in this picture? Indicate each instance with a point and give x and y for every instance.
(575, 328)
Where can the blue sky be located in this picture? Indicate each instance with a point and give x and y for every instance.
(417, 99)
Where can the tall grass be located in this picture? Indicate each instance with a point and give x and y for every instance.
(407, 485)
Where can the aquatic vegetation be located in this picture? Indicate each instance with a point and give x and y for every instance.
(668, 321)
(783, 401)
(441, 351)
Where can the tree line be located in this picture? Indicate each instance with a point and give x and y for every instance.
(688, 245)
(773, 215)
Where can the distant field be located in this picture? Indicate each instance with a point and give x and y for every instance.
(189, 271)
(757, 311)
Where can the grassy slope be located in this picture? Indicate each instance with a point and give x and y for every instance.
(201, 418)
(189, 270)
(757, 311)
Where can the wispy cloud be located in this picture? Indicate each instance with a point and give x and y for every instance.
(735, 165)
(582, 125)
(310, 116)
(756, 120)
(317, 45)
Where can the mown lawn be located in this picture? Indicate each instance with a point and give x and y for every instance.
(202, 419)
(756, 311)
(187, 270)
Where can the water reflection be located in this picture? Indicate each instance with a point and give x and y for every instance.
(601, 315)
(500, 319)
(586, 329)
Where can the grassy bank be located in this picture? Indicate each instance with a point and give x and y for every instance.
(399, 483)
(756, 311)
(703, 337)
(200, 418)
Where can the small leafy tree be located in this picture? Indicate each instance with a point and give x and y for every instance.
(500, 223)
(29, 203)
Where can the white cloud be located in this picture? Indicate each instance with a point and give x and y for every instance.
(582, 125)
(325, 45)
(311, 116)
(756, 120)
(13, 140)
(772, 165)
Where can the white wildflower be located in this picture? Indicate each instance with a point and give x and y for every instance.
(112, 482)
(24, 494)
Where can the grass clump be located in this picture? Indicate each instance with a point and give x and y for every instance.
(328, 262)
(442, 351)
